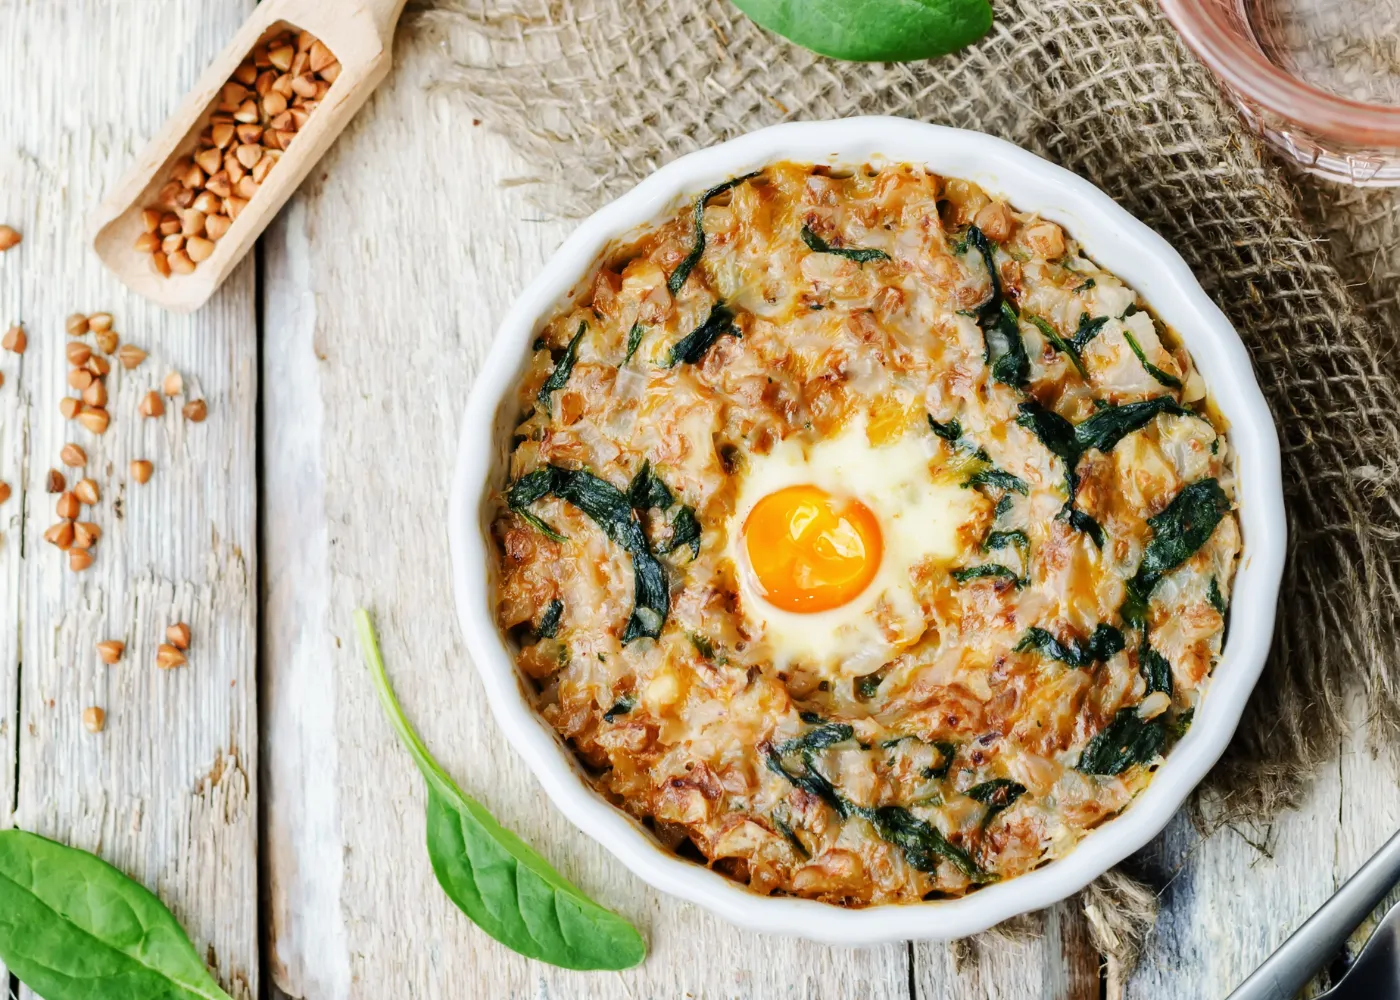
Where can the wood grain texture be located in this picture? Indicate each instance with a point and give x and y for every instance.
(411, 250)
(1234, 892)
(168, 791)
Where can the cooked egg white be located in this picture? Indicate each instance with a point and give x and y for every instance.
(919, 519)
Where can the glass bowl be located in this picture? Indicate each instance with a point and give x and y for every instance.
(1318, 79)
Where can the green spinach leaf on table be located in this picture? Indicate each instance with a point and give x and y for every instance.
(72, 927)
(494, 877)
(874, 30)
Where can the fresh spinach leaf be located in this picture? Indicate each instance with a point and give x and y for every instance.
(1108, 426)
(861, 256)
(996, 795)
(549, 621)
(72, 927)
(634, 341)
(874, 30)
(620, 707)
(1177, 532)
(1125, 741)
(682, 272)
(692, 347)
(984, 571)
(563, 369)
(1171, 381)
(494, 877)
(1060, 344)
(1075, 652)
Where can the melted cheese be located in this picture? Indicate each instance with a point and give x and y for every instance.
(828, 376)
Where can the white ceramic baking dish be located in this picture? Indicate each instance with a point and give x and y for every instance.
(1109, 235)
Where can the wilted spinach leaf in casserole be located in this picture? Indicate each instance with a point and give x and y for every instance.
(863, 536)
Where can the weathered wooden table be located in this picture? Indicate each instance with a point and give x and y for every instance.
(259, 791)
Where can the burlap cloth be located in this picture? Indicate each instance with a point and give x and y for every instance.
(598, 93)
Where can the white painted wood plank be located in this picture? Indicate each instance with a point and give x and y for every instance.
(1054, 960)
(168, 791)
(389, 285)
(16, 172)
(1237, 893)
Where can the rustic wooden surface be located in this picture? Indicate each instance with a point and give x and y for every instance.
(375, 295)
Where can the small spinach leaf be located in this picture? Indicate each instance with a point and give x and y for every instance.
(620, 707)
(952, 432)
(985, 571)
(922, 843)
(861, 256)
(1178, 531)
(1155, 668)
(1108, 426)
(1075, 652)
(1059, 343)
(634, 341)
(647, 490)
(611, 510)
(874, 30)
(549, 621)
(1171, 381)
(692, 347)
(1216, 599)
(72, 927)
(1080, 521)
(1057, 434)
(868, 687)
(997, 479)
(947, 751)
(682, 272)
(563, 369)
(1088, 329)
(494, 877)
(806, 777)
(1005, 350)
(996, 795)
(1125, 741)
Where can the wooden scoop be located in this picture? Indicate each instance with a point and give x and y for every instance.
(359, 33)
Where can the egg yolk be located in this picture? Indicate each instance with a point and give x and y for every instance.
(809, 550)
